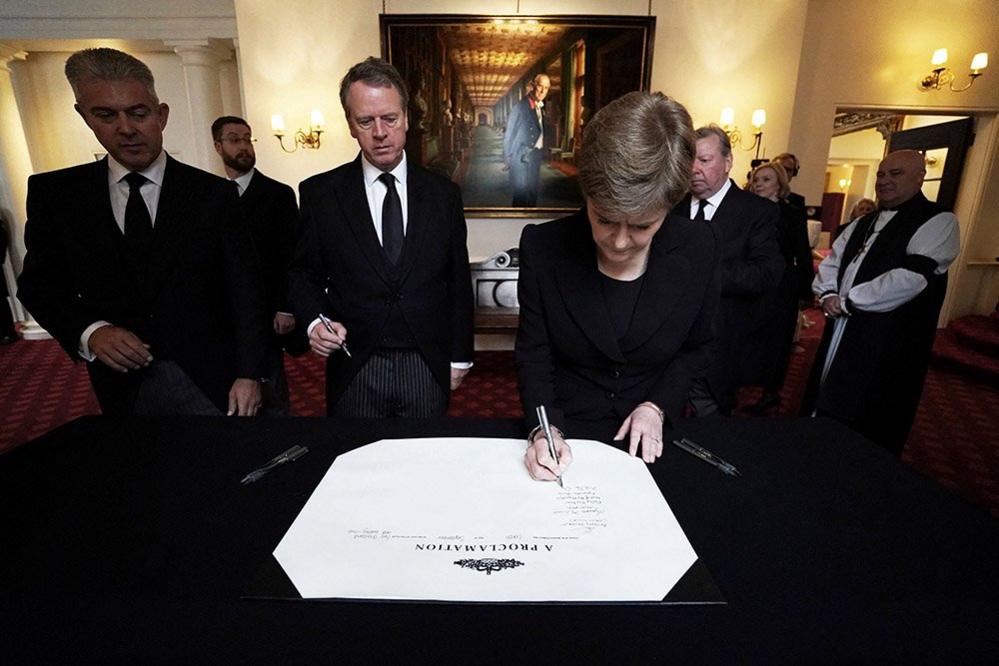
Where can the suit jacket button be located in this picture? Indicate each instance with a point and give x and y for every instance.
(611, 395)
(617, 374)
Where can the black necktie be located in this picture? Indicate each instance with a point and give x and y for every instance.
(391, 219)
(701, 203)
(138, 224)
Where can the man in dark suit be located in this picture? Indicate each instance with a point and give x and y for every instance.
(523, 143)
(383, 255)
(135, 264)
(271, 213)
(751, 262)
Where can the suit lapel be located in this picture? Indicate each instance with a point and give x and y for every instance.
(253, 190)
(96, 197)
(683, 208)
(354, 204)
(578, 281)
(418, 219)
(662, 290)
(727, 207)
(171, 211)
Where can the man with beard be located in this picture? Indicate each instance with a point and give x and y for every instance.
(271, 213)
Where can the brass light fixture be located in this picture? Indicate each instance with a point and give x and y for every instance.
(942, 76)
(727, 122)
(303, 139)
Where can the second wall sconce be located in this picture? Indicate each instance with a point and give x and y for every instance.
(942, 76)
(303, 139)
(727, 122)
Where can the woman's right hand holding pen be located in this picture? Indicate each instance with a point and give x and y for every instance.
(538, 460)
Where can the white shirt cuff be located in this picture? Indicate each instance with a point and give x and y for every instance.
(315, 322)
(461, 365)
(85, 352)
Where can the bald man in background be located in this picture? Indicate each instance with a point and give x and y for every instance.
(881, 289)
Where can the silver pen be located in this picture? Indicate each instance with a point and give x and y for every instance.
(294, 453)
(547, 427)
(699, 451)
(329, 327)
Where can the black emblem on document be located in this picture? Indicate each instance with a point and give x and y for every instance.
(489, 564)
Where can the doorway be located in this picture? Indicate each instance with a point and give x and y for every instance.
(861, 139)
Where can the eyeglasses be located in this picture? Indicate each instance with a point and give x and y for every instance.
(236, 140)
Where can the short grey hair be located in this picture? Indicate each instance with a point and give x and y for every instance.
(104, 64)
(715, 130)
(376, 73)
(637, 154)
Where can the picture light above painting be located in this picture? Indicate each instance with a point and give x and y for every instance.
(498, 104)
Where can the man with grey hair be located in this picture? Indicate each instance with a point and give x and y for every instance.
(751, 262)
(617, 301)
(523, 143)
(881, 288)
(383, 258)
(135, 262)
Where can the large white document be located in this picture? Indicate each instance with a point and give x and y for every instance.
(459, 519)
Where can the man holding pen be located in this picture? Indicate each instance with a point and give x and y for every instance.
(383, 257)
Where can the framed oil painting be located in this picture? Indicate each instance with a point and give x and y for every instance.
(498, 104)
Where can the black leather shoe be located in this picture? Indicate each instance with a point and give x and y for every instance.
(766, 402)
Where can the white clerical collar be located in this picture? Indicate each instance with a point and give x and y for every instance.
(153, 172)
(243, 181)
(371, 172)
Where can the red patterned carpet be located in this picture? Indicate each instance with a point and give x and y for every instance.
(954, 439)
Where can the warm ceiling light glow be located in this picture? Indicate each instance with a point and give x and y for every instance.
(759, 118)
(727, 116)
(277, 123)
(939, 57)
(316, 119)
(979, 62)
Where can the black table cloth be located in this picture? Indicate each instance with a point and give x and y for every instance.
(128, 540)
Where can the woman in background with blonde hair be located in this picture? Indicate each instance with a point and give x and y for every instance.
(776, 317)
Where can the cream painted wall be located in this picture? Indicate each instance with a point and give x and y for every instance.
(58, 136)
(706, 55)
(875, 62)
(860, 53)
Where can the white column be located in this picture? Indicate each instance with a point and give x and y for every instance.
(15, 167)
(200, 59)
(232, 99)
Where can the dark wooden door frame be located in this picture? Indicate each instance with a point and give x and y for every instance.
(956, 136)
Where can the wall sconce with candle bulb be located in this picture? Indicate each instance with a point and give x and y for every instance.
(302, 138)
(727, 122)
(943, 76)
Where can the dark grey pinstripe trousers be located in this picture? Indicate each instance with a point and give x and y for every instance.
(393, 383)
